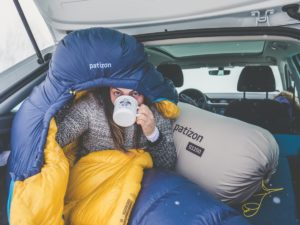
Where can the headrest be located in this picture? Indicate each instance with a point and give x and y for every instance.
(173, 72)
(256, 79)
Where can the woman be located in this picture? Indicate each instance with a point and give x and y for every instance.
(90, 120)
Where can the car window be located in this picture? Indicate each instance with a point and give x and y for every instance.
(14, 41)
(294, 83)
(207, 82)
(290, 83)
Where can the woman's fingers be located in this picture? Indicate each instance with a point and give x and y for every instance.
(143, 109)
(145, 118)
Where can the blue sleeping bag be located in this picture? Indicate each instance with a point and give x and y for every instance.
(86, 59)
(168, 199)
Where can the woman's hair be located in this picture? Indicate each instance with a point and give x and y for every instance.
(117, 132)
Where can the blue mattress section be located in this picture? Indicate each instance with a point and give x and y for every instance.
(279, 208)
(169, 199)
(288, 144)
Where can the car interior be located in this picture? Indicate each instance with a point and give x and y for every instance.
(252, 100)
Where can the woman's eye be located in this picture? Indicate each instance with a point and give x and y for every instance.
(135, 94)
(117, 93)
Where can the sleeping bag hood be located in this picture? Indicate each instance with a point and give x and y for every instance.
(83, 59)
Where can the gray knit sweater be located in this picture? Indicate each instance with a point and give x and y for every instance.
(86, 120)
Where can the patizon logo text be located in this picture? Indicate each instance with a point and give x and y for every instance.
(191, 147)
(99, 65)
(187, 131)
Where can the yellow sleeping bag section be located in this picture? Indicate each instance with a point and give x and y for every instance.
(101, 189)
(39, 199)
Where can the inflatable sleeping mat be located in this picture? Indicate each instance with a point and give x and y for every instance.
(39, 170)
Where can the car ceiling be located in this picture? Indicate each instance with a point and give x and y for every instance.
(143, 16)
(275, 49)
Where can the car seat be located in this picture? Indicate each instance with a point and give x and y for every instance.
(191, 96)
(266, 113)
(173, 72)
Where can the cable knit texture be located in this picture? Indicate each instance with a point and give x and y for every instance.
(86, 120)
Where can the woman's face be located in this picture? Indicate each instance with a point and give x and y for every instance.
(116, 92)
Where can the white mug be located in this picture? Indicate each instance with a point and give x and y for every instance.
(125, 110)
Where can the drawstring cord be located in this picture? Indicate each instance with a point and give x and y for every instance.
(250, 209)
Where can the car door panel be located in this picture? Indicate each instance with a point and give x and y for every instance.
(5, 126)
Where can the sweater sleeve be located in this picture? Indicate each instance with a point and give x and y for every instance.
(163, 150)
(73, 123)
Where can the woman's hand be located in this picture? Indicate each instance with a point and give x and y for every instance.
(146, 119)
